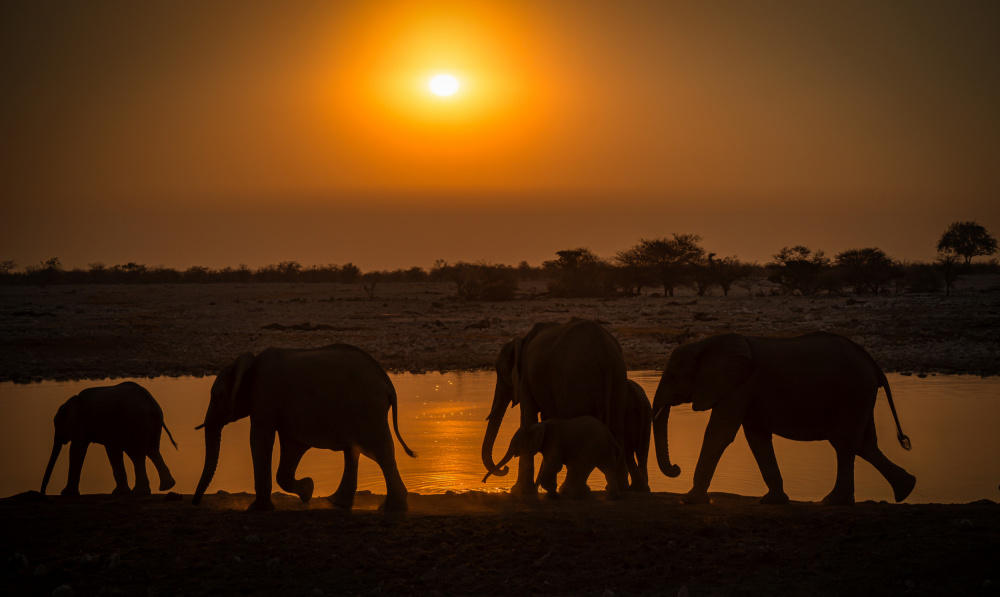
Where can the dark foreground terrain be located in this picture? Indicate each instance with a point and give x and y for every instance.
(492, 544)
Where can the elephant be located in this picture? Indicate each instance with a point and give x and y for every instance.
(558, 371)
(638, 426)
(818, 386)
(124, 419)
(335, 397)
(581, 444)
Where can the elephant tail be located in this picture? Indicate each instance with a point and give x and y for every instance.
(168, 435)
(903, 439)
(394, 405)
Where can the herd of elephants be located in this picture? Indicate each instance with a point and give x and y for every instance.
(577, 409)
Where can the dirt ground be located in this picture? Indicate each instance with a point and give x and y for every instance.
(492, 544)
(103, 331)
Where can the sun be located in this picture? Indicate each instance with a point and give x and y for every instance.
(443, 85)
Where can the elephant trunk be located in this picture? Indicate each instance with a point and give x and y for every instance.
(492, 429)
(213, 445)
(56, 448)
(500, 469)
(660, 418)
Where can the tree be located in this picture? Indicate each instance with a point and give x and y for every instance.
(967, 240)
(579, 273)
(671, 258)
(634, 271)
(866, 269)
(730, 270)
(798, 269)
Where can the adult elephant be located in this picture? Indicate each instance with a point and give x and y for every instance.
(558, 371)
(124, 418)
(818, 386)
(335, 397)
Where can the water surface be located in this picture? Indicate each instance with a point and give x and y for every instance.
(951, 420)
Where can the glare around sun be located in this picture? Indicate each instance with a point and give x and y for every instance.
(443, 85)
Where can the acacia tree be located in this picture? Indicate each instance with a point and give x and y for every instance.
(866, 269)
(634, 271)
(670, 258)
(579, 273)
(967, 240)
(799, 269)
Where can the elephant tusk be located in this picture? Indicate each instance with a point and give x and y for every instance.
(657, 414)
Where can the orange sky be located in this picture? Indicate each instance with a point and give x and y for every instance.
(255, 132)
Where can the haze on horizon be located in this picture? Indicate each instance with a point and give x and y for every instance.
(187, 133)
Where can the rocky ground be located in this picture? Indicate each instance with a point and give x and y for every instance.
(492, 544)
(101, 331)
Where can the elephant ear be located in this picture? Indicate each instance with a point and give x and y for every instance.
(224, 407)
(536, 437)
(724, 364)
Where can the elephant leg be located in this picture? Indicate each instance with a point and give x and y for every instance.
(138, 459)
(575, 483)
(261, 449)
(166, 480)
(762, 446)
(547, 473)
(344, 496)
(613, 491)
(77, 452)
(843, 487)
(721, 432)
(395, 490)
(288, 461)
(901, 481)
(115, 457)
(525, 483)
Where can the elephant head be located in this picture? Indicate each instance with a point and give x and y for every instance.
(700, 373)
(63, 434)
(224, 407)
(507, 392)
(526, 440)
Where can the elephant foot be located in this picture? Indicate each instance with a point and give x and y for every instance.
(695, 497)
(639, 487)
(167, 483)
(902, 488)
(304, 489)
(775, 498)
(614, 494)
(523, 489)
(121, 490)
(261, 505)
(70, 491)
(551, 495)
(835, 499)
(394, 504)
(142, 491)
(344, 501)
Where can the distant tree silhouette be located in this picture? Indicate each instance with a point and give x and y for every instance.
(866, 269)
(799, 269)
(670, 258)
(947, 264)
(730, 270)
(579, 273)
(967, 240)
(634, 271)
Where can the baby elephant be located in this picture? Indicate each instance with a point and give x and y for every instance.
(124, 418)
(581, 444)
